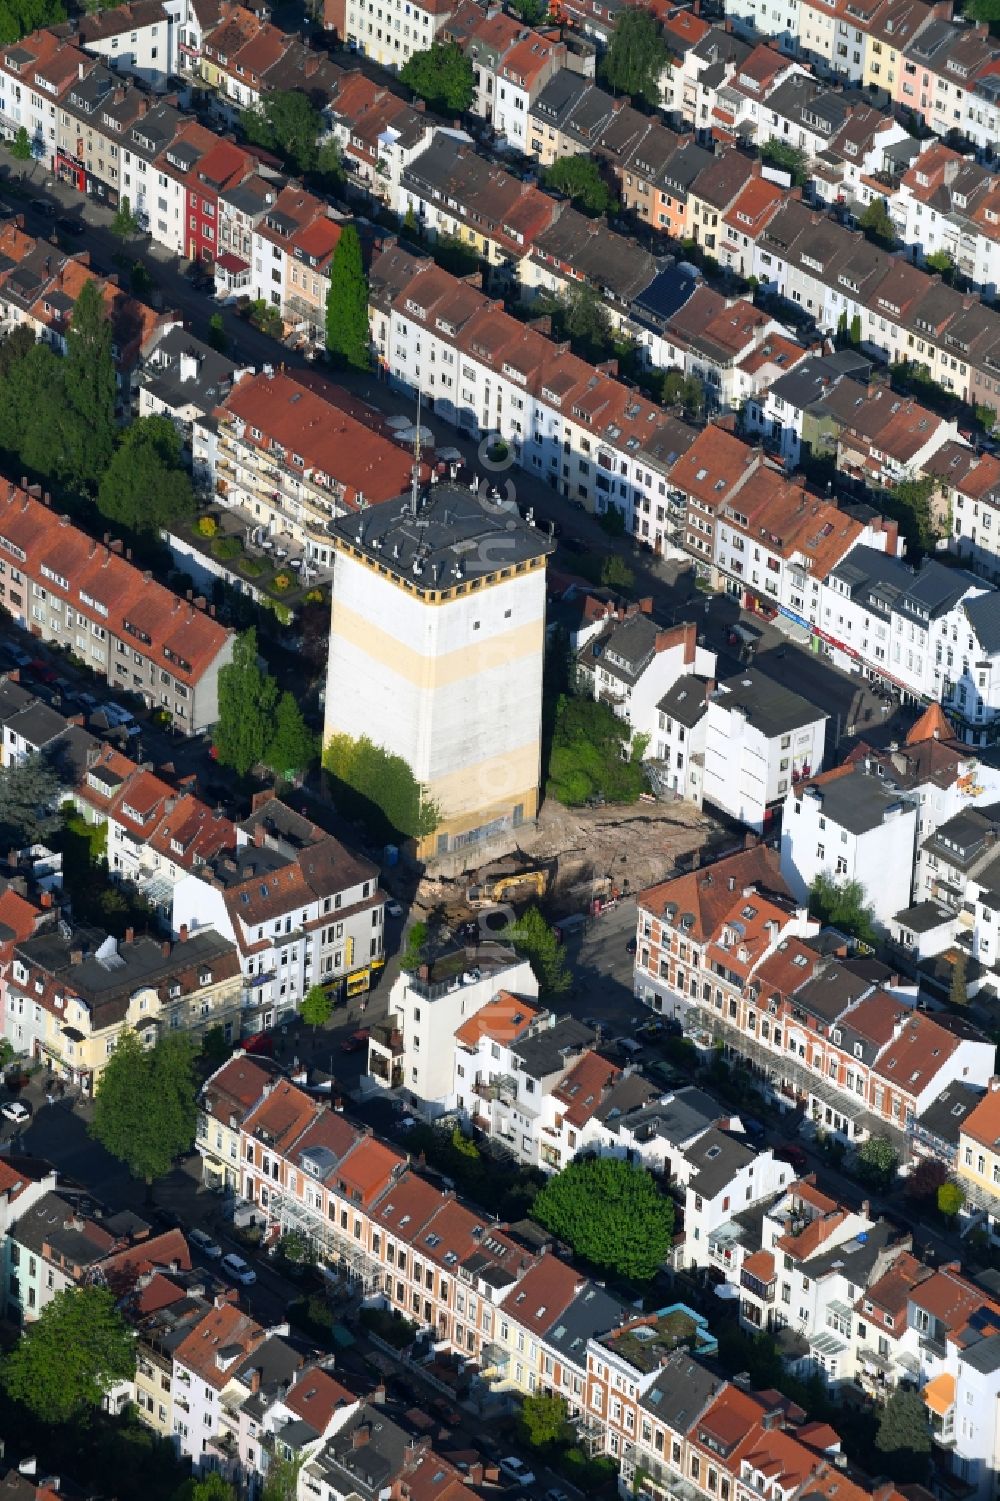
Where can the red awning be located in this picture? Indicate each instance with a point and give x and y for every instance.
(227, 261)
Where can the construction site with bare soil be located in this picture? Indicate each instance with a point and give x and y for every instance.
(579, 860)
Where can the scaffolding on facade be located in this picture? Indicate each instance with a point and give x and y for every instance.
(780, 1068)
(332, 1244)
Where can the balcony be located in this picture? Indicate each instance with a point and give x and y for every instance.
(762, 1291)
(504, 1087)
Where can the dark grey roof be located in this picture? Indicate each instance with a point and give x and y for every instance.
(546, 1052)
(810, 379)
(624, 649)
(858, 802)
(686, 701)
(592, 1312)
(944, 1116)
(56, 1223)
(924, 917)
(37, 725)
(770, 707)
(983, 614)
(560, 96)
(681, 1391)
(455, 535)
(676, 1117)
(181, 370)
(855, 1258)
(716, 1158)
(368, 1468)
(984, 1354)
(828, 993)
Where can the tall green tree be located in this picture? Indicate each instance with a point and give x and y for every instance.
(580, 178)
(544, 1420)
(293, 747)
(877, 225)
(443, 76)
(29, 799)
(317, 1007)
(20, 147)
(125, 224)
(91, 385)
(535, 941)
(958, 993)
(212, 1488)
(843, 905)
(286, 121)
(70, 1356)
(19, 17)
(381, 781)
(416, 946)
(637, 56)
(878, 1161)
(146, 486)
(145, 1104)
(950, 1198)
(903, 1436)
(217, 336)
(247, 700)
(348, 339)
(611, 1213)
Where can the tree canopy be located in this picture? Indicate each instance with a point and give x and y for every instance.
(580, 178)
(348, 338)
(20, 146)
(293, 747)
(125, 224)
(877, 224)
(958, 991)
(903, 1435)
(843, 905)
(950, 1198)
(611, 1213)
(637, 56)
(317, 1006)
(443, 76)
(144, 1105)
(91, 384)
(535, 941)
(544, 1419)
(146, 486)
(382, 781)
(589, 743)
(247, 700)
(70, 1356)
(878, 1161)
(18, 17)
(29, 794)
(786, 158)
(287, 122)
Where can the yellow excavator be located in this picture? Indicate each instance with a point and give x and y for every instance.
(514, 887)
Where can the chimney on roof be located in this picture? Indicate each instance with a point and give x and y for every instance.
(165, 948)
(45, 900)
(117, 546)
(200, 602)
(182, 932)
(76, 956)
(130, 935)
(710, 688)
(360, 1436)
(259, 835)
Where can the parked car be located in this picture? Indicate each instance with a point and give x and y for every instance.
(41, 670)
(204, 1243)
(44, 207)
(516, 1469)
(234, 1266)
(69, 226)
(795, 1156)
(355, 1042)
(394, 909)
(631, 945)
(15, 1110)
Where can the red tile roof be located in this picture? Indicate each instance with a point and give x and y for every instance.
(543, 1293)
(505, 1018)
(108, 590)
(983, 1123)
(217, 1343)
(706, 894)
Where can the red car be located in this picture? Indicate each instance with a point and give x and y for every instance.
(795, 1156)
(42, 671)
(355, 1042)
